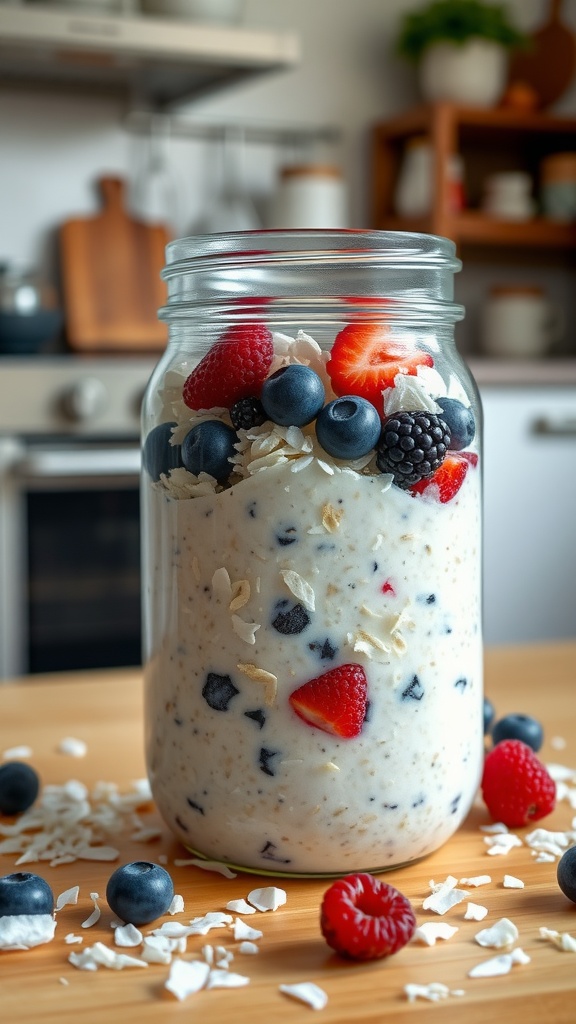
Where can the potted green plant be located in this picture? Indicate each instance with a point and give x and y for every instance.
(461, 49)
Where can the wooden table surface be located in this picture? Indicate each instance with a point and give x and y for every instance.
(40, 986)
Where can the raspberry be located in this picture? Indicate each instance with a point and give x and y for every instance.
(516, 786)
(365, 919)
(412, 446)
(235, 367)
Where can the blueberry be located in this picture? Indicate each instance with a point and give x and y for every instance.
(208, 447)
(519, 727)
(460, 421)
(25, 893)
(348, 427)
(139, 892)
(293, 396)
(489, 715)
(218, 691)
(19, 785)
(566, 873)
(159, 456)
(290, 619)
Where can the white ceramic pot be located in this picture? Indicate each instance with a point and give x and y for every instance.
(472, 73)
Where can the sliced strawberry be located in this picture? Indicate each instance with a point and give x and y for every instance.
(335, 701)
(365, 360)
(388, 588)
(449, 477)
(235, 367)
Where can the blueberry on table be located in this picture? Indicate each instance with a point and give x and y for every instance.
(489, 715)
(139, 892)
(348, 427)
(208, 448)
(460, 421)
(519, 727)
(159, 456)
(19, 785)
(25, 893)
(293, 396)
(566, 873)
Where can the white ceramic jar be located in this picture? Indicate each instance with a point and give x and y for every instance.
(472, 73)
(519, 322)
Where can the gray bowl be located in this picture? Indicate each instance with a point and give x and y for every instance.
(22, 334)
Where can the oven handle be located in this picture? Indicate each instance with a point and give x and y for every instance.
(73, 463)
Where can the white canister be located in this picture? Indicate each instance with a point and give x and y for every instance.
(310, 196)
(508, 196)
(414, 189)
(519, 322)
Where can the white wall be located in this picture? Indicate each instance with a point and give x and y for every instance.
(53, 148)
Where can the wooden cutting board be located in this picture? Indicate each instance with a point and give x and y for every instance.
(549, 64)
(111, 267)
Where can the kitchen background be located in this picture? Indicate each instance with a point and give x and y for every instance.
(320, 76)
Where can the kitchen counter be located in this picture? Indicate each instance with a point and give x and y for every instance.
(104, 709)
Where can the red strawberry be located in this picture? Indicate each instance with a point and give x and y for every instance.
(334, 702)
(449, 477)
(235, 367)
(365, 360)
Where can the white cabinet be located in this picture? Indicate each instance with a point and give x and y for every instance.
(530, 513)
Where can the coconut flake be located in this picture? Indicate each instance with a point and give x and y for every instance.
(409, 394)
(157, 949)
(562, 940)
(433, 992)
(99, 955)
(476, 880)
(244, 931)
(17, 753)
(430, 931)
(268, 898)
(299, 587)
(245, 630)
(24, 931)
(95, 915)
(177, 905)
(69, 896)
(500, 844)
(306, 992)
(127, 935)
(259, 675)
(511, 882)
(474, 912)
(187, 977)
(73, 940)
(72, 747)
(226, 979)
(240, 907)
(249, 948)
(499, 965)
(503, 933)
(444, 896)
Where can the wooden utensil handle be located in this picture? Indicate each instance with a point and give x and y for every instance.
(112, 191)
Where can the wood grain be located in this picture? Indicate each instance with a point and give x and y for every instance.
(105, 710)
(111, 267)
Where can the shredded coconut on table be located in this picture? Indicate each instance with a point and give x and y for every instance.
(306, 992)
(499, 965)
(433, 992)
(24, 931)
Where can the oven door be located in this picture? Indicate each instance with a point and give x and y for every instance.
(69, 555)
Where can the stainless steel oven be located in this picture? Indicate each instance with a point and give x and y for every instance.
(69, 512)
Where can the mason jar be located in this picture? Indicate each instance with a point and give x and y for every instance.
(311, 505)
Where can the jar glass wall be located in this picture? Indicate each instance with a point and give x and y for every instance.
(311, 500)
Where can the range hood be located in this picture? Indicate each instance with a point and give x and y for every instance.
(156, 61)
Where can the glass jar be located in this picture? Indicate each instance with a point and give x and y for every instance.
(311, 505)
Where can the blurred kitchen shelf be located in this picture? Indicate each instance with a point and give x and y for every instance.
(156, 61)
(488, 141)
(522, 372)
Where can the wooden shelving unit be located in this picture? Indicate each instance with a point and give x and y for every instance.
(488, 140)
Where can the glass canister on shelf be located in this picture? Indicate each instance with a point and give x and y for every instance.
(311, 505)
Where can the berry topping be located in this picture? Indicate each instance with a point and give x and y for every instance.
(293, 396)
(519, 727)
(25, 893)
(566, 873)
(19, 785)
(448, 479)
(290, 619)
(247, 413)
(366, 919)
(208, 448)
(365, 360)
(460, 420)
(489, 715)
(334, 702)
(218, 691)
(159, 456)
(139, 892)
(235, 367)
(348, 427)
(516, 786)
(412, 447)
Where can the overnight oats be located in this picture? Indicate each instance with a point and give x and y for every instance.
(311, 495)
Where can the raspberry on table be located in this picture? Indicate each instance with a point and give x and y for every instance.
(365, 919)
(516, 786)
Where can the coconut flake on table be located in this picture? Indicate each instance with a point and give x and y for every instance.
(562, 940)
(17, 753)
(511, 882)
(444, 896)
(240, 907)
(499, 965)
(226, 979)
(430, 931)
(127, 935)
(476, 881)
(187, 977)
(249, 948)
(71, 939)
(501, 843)
(306, 992)
(554, 843)
(72, 747)
(244, 931)
(68, 897)
(502, 933)
(206, 865)
(433, 992)
(474, 912)
(99, 955)
(95, 915)
(177, 905)
(24, 931)
(158, 949)
(268, 898)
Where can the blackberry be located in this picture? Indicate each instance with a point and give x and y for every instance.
(412, 446)
(246, 413)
